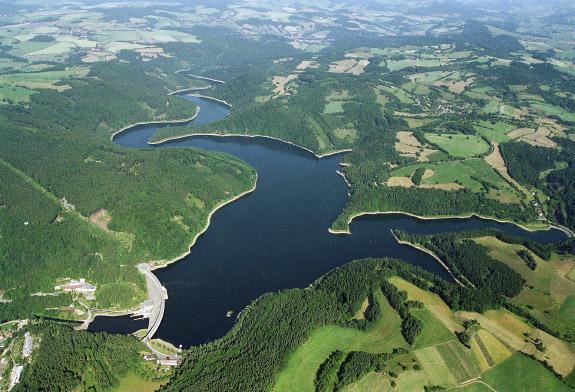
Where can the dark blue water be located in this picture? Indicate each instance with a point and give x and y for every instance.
(117, 324)
(277, 237)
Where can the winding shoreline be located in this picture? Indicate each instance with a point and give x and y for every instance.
(164, 122)
(429, 252)
(439, 217)
(222, 101)
(172, 138)
(186, 71)
(157, 264)
(189, 89)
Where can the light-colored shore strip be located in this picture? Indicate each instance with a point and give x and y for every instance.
(439, 217)
(165, 122)
(205, 78)
(568, 232)
(342, 174)
(188, 90)
(168, 139)
(164, 263)
(429, 252)
(187, 72)
(222, 101)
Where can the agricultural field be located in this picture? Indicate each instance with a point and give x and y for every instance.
(434, 332)
(459, 146)
(494, 131)
(510, 375)
(520, 336)
(299, 373)
(435, 112)
(488, 350)
(44, 79)
(454, 175)
(133, 382)
(549, 292)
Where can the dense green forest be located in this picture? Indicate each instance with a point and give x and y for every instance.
(451, 112)
(493, 282)
(327, 111)
(250, 356)
(534, 166)
(59, 168)
(470, 262)
(69, 360)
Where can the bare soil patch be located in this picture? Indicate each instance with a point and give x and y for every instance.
(407, 145)
(400, 181)
(150, 52)
(448, 186)
(360, 315)
(428, 173)
(520, 132)
(307, 64)
(351, 66)
(101, 218)
(454, 86)
(280, 83)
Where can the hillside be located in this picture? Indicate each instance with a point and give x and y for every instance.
(377, 324)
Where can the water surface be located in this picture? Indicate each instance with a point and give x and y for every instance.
(277, 237)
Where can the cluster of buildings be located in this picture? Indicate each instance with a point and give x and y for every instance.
(78, 286)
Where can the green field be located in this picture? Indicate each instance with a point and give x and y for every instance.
(473, 387)
(133, 382)
(333, 107)
(435, 368)
(548, 292)
(520, 373)
(459, 360)
(43, 79)
(402, 95)
(465, 173)
(459, 146)
(552, 110)
(568, 309)
(498, 107)
(395, 65)
(416, 88)
(15, 93)
(496, 132)
(434, 332)
(412, 381)
(299, 373)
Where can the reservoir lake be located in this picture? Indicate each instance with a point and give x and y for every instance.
(274, 238)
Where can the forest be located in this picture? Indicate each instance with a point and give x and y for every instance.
(238, 361)
(70, 360)
(60, 168)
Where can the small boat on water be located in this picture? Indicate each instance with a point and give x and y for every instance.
(229, 313)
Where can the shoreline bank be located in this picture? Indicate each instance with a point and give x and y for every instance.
(440, 217)
(163, 122)
(429, 252)
(157, 264)
(190, 135)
